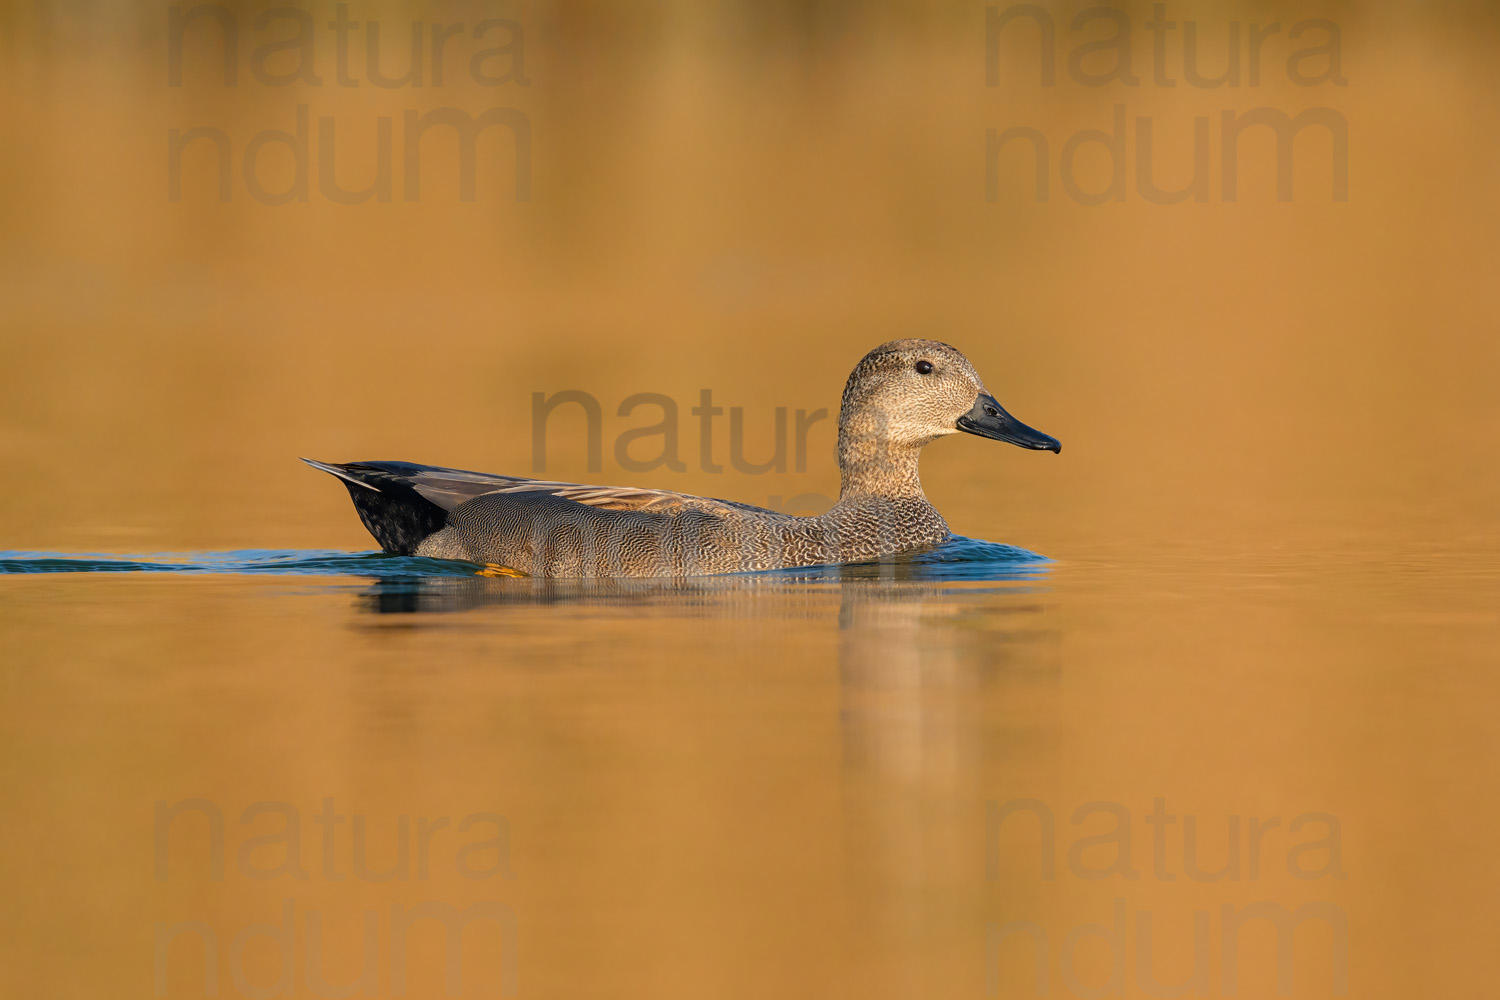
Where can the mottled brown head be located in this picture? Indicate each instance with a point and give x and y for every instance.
(906, 393)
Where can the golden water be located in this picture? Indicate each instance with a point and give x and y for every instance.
(1275, 560)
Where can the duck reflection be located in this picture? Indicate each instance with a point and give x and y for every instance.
(916, 640)
(927, 674)
(938, 683)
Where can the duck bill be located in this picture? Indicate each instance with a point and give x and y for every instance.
(988, 419)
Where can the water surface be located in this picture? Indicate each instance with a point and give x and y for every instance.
(792, 778)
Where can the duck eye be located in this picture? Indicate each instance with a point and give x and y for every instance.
(924, 367)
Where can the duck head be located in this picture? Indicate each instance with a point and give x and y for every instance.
(908, 392)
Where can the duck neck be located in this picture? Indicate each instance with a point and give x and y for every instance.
(870, 464)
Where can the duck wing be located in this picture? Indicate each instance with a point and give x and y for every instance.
(448, 488)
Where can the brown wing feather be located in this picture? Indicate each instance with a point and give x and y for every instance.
(450, 487)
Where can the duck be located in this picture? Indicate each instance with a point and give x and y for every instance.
(900, 397)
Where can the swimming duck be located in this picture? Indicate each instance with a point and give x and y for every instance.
(901, 396)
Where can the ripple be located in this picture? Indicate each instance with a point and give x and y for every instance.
(958, 558)
(291, 562)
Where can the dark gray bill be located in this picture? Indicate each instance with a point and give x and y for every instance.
(988, 419)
